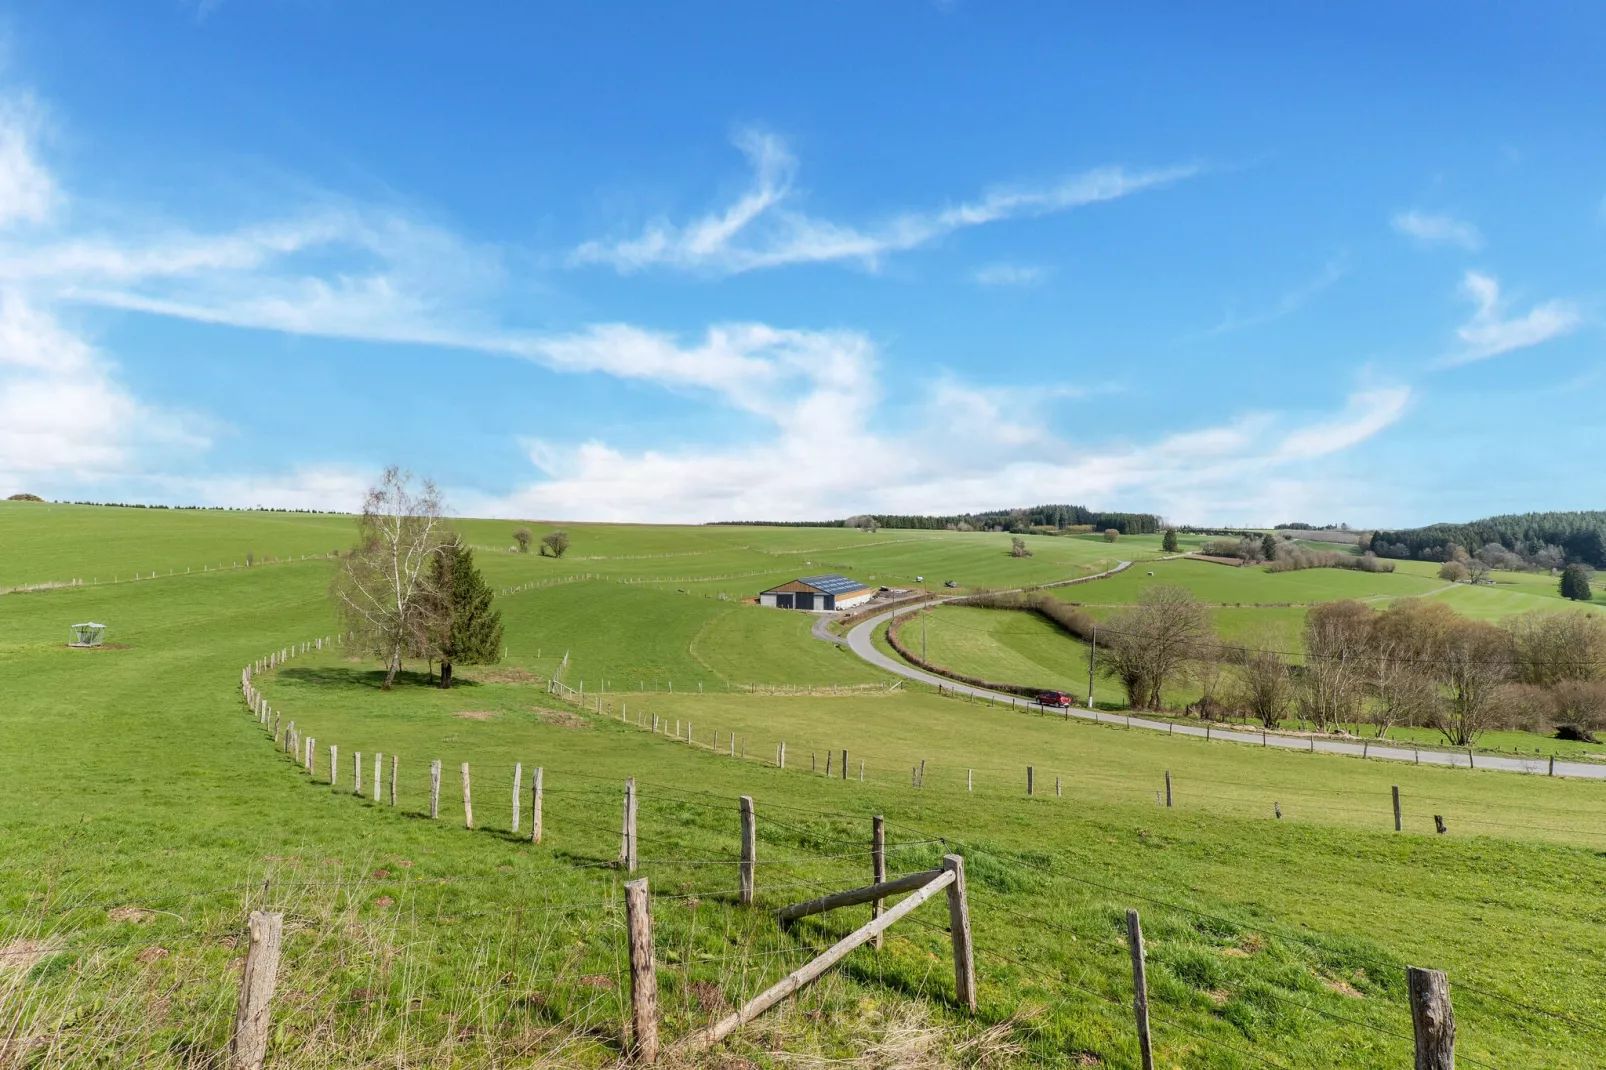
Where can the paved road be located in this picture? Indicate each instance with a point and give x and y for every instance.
(859, 641)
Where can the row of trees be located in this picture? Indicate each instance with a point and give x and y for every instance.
(553, 543)
(1538, 539)
(409, 588)
(1417, 662)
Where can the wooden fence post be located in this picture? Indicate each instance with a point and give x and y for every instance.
(749, 851)
(1396, 808)
(1168, 787)
(395, 766)
(781, 760)
(1140, 987)
(844, 764)
(379, 773)
(468, 801)
(1432, 1018)
(535, 806)
(518, 793)
(959, 930)
(878, 865)
(312, 756)
(627, 828)
(1031, 780)
(435, 789)
(334, 764)
(643, 973)
(248, 1048)
(356, 773)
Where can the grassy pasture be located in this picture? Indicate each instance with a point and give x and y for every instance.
(135, 774)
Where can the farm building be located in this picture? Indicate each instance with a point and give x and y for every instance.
(817, 592)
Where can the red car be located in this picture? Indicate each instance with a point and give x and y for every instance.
(1054, 698)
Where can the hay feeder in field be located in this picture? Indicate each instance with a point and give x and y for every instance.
(87, 635)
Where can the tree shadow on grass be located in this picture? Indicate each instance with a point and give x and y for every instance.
(340, 677)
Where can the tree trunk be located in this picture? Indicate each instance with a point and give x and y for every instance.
(391, 670)
(446, 675)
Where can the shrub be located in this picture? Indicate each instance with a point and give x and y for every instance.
(1017, 547)
(1454, 571)
(1575, 584)
(1581, 704)
(523, 538)
(1169, 543)
(1110, 534)
(555, 544)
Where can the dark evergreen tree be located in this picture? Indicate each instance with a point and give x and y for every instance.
(1268, 546)
(1575, 584)
(467, 631)
(1169, 543)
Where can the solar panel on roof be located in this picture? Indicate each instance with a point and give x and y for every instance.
(833, 584)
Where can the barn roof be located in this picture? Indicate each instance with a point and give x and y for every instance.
(831, 583)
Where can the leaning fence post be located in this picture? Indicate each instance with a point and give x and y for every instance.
(643, 974)
(749, 851)
(1432, 1018)
(1140, 987)
(435, 789)
(535, 806)
(627, 829)
(959, 929)
(878, 865)
(248, 1049)
(468, 801)
(518, 793)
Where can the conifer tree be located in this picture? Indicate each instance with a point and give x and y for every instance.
(467, 631)
(1575, 584)
(1169, 543)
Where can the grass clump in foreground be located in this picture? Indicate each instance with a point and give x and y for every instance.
(147, 808)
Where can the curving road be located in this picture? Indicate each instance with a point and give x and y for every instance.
(860, 642)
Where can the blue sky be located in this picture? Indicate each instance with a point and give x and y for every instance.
(720, 261)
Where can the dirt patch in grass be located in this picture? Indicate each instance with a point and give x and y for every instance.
(503, 676)
(21, 955)
(1343, 988)
(133, 915)
(560, 718)
(477, 715)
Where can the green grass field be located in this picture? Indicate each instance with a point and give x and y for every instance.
(148, 811)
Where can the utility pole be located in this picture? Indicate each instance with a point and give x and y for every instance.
(922, 633)
(1091, 651)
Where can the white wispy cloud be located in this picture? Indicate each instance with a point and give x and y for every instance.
(1430, 229)
(1490, 332)
(825, 447)
(1288, 304)
(1006, 274)
(760, 230)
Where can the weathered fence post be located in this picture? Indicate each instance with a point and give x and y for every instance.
(1168, 787)
(334, 765)
(1396, 808)
(749, 861)
(780, 759)
(1031, 780)
(878, 865)
(468, 801)
(643, 973)
(627, 828)
(535, 806)
(959, 930)
(356, 773)
(248, 1048)
(395, 766)
(312, 756)
(844, 765)
(518, 793)
(1140, 987)
(435, 789)
(1432, 1018)
(379, 774)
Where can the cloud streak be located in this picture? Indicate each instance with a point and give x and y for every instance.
(761, 230)
(1428, 229)
(1490, 332)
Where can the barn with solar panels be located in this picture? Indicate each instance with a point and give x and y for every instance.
(817, 593)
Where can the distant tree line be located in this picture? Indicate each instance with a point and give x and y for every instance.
(1038, 519)
(1417, 662)
(200, 508)
(1537, 540)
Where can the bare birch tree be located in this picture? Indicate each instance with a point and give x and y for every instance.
(384, 588)
(1154, 642)
(1336, 640)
